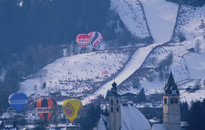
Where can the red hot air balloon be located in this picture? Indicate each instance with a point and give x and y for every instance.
(45, 108)
(83, 40)
(95, 38)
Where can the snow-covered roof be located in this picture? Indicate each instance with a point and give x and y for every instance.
(131, 118)
(159, 127)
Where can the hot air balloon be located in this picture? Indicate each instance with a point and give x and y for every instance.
(83, 40)
(71, 108)
(95, 38)
(45, 108)
(18, 101)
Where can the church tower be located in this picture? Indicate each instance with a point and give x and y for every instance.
(114, 109)
(171, 105)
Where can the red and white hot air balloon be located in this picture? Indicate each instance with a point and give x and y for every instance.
(95, 38)
(83, 40)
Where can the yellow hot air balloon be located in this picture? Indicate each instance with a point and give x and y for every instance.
(71, 108)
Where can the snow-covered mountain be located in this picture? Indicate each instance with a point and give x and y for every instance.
(90, 74)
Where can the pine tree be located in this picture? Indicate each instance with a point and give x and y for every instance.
(184, 111)
(141, 96)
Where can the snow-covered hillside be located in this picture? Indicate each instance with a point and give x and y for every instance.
(78, 73)
(190, 23)
(91, 74)
(187, 67)
(132, 15)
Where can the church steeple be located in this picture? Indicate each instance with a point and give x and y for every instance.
(114, 109)
(171, 87)
(171, 105)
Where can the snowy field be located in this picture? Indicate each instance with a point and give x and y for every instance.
(161, 16)
(89, 67)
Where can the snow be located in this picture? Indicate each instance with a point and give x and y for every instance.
(101, 124)
(161, 16)
(5, 115)
(159, 127)
(66, 72)
(196, 65)
(73, 74)
(153, 87)
(199, 95)
(187, 67)
(135, 63)
(131, 14)
(189, 21)
(132, 118)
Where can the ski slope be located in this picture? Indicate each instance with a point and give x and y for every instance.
(134, 64)
(161, 16)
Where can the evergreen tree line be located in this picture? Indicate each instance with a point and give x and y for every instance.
(7, 87)
(195, 115)
(20, 65)
(42, 22)
(195, 3)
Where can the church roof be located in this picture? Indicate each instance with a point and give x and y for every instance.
(171, 87)
(131, 118)
(159, 127)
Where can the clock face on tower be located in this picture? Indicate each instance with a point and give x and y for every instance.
(174, 92)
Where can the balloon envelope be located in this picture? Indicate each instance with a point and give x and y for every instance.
(71, 108)
(18, 101)
(95, 38)
(83, 40)
(45, 108)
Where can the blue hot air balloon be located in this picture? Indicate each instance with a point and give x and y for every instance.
(18, 101)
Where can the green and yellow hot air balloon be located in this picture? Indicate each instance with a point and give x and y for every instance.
(71, 108)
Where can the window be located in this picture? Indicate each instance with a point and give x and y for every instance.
(165, 101)
(111, 109)
(117, 109)
(111, 102)
(171, 100)
(176, 100)
(117, 101)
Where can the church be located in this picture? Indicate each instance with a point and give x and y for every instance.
(128, 117)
